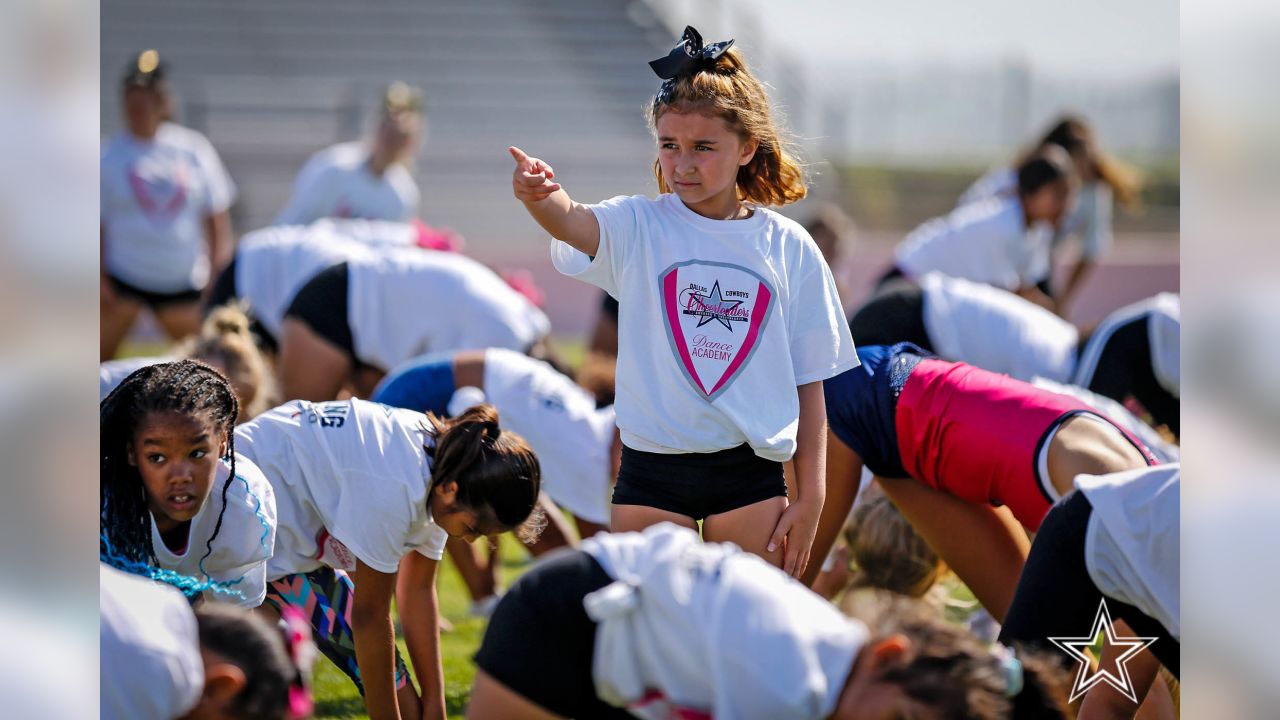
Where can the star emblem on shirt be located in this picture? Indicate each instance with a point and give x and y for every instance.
(715, 307)
(1117, 676)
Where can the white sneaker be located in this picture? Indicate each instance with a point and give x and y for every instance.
(483, 607)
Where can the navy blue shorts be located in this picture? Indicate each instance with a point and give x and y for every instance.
(862, 404)
(422, 384)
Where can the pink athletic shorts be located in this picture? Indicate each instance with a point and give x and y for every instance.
(979, 435)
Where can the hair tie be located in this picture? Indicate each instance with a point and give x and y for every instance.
(686, 58)
(1012, 667)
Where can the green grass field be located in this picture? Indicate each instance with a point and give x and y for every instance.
(336, 697)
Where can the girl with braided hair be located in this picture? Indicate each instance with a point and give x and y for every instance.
(368, 495)
(176, 502)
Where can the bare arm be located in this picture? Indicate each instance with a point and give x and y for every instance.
(533, 182)
(1082, 270)
(375, 639)
(844, 469)
(800, 520)
(217, 230)
(1037, 296)
(420, 623)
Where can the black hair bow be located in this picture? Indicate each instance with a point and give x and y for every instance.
(688, 56)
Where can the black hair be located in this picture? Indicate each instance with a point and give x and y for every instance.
(188, 387)
(258, 649)
(1049, 164)
(496, 472)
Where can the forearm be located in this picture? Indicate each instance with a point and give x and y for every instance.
(218, 235)
(811, 445)
(420, 623)
(841, 489)
(1081, 271)
(375, 638)
(566, 220)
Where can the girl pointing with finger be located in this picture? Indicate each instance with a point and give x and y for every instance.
(729, 317)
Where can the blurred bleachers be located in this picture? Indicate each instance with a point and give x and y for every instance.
(272, 82)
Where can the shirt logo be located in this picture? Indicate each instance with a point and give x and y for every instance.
(1116, 676)
(714, 314)
(160, 190)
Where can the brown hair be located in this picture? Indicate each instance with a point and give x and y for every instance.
(497, 473)
(1073, 134)
(729, 91)
(225, 341)
(952, 672)
(887, 550)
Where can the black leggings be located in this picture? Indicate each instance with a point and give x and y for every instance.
(1124, 368)
(1057, 598)
(895, 314)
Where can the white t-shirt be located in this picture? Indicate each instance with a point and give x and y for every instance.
(561, 423)
(149, 649)
(1089, 216)
(244, 543)
(986, 241)
(408, 302)
(273, 263)
(113, 372)
(337, 182)
(1163, 313)
(1165, 452)
(1131, 548)
(720, 322)
(997, 330)
(708, 628)
(351, 480)
(155, 197)
(377, 233)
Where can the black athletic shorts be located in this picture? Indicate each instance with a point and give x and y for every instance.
(322, 305)
(697, 485)
(609, 306)
(1057, 598)
(153, 300)
(1124, 368)
(223, 292)
(540, 642)
(894, 314)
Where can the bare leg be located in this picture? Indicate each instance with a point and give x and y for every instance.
(365, 380)
(491, 700)
(1104, 701)
(179, 321)
(480, 578)
(409, 702)
(1083, 446)
(586, 528)
(985, 546)
(311, 368)
(117, 315)
(633, 518)
(749, 528)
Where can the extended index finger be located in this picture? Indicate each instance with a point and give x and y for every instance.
(518, 154)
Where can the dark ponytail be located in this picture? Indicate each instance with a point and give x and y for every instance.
(497, 472)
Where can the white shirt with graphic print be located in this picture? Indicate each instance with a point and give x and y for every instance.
(720, 321)
(156, 195)
(351, 480)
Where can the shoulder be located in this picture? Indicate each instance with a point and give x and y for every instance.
(184, 137)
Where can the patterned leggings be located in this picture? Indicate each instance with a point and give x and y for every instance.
(325, 597)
